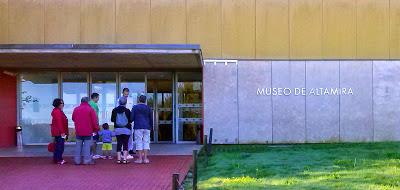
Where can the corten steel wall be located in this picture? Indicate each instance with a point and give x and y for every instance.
(227, 29)
(238, 115)
(8, 111)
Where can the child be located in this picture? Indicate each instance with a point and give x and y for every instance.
(106, 135)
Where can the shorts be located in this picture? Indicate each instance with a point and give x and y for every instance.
(142, 139)
(122, 142)
(106, 146)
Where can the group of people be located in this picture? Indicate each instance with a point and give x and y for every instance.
(88, 133)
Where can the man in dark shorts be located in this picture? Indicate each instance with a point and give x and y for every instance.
(93, 103)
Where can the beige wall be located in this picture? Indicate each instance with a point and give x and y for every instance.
(249, 29)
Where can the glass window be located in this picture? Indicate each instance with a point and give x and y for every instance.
(38, 91)
(189, 88)
(135, 82)
(104, 83)
(74, 87)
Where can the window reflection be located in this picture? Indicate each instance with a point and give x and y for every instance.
(38, 91)
(104, 83)
(74, 87)
(189, 105)
(136, 84)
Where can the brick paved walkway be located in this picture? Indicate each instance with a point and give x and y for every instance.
(40, 173)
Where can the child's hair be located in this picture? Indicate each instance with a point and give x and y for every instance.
(105, 126)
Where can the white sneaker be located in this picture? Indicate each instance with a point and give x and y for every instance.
(95, 157)
(129, 157)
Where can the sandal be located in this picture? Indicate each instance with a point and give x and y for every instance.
(138, 161)
(125, 162)
(62, 162)
(119, 162)
(146, 161)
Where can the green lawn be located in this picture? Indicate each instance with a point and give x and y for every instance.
(309, 166)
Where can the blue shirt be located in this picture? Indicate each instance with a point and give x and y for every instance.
(142, 116)
(122, 131)
(106, 135)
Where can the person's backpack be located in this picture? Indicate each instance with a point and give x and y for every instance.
(121, 120)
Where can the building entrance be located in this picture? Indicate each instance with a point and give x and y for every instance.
(174, 97)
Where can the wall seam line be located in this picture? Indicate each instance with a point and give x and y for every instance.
(356, 35)
(339, 102)
(151, 25)
(115, 22)
(322, 29)
(186, 21)
(390, 56)
(237, 98)
(8, 22)
(44, 21)
(305, 102)
(372, 90)
(221, 25)
(80, 21)
(289, 33)
(255, 29)
(272, 110)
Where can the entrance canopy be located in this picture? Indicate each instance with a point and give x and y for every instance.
(100, 56)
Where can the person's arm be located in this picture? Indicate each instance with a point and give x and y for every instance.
(151, 118)
(128, 115)
(95, 122)
(133, 114)
(59, 122)
(73, 115)
(113, 115)
(65, 119)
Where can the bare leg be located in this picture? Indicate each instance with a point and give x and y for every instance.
(140, 159)
(93, 149)
(125, 154)
(146, 152)
(118, 155)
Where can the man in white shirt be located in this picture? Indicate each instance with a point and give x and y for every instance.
(125, 93)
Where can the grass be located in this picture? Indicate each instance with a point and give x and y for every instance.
(309, 166)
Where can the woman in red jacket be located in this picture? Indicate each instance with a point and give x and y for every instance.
(59, 130)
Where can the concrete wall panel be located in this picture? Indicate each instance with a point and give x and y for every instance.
(356, 118)
(322, 110)
(288, 111)
(255, 112)
(386, 100)
(221, 107)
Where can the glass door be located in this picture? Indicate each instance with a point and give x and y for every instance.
(160, 100)
(189, 107)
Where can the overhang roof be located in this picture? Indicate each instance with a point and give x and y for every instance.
(100, 56)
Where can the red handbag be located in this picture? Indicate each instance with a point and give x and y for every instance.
(51, 147)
